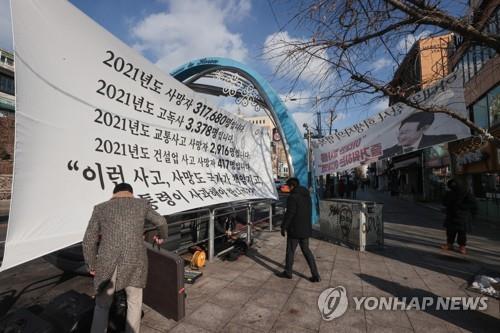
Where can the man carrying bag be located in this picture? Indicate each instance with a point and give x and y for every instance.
(114, 251)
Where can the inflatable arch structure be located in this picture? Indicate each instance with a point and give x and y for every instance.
(250, 87)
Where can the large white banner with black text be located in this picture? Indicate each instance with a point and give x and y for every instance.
(91, 113)
(397, 130)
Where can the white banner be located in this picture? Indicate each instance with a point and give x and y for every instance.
(91, 113)
(397, 130)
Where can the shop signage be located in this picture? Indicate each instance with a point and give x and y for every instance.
(469, 158)
(437, 156)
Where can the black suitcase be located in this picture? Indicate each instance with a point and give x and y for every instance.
(164, 290)
(70, 312)
(24, 321)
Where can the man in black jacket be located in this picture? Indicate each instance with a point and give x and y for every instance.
(461, 207)
(297, 225)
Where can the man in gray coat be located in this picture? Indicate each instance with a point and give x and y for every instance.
(113, 247)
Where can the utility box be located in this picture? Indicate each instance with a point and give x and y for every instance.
(356, 223)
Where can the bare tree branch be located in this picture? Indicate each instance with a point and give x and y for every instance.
(433, 16)
(349, 37)
(387, 91)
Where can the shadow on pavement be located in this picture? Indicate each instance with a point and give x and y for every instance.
(475, 321)
(264, 262)
(398, 211)
(448, 264)
(435, 245)
(433, 258)
(9, 298)
(419, 244)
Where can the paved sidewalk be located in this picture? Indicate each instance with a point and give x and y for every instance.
(488, 223)
(245, 296)
(419, 231)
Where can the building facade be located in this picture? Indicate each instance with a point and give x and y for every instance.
(425, 63)
(422, 174)
(7, 107)
(278, 154)
(6, 83)
(475, 161)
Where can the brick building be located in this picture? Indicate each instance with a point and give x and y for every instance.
(425, 63)
(7, 107)
(420, 174)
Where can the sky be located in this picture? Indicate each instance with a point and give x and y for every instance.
(172, 32)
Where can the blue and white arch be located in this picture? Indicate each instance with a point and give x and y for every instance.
(295, 147)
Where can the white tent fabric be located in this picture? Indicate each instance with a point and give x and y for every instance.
(91, 112)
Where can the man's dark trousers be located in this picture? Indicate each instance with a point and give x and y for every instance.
(291, 246)
(451, 235)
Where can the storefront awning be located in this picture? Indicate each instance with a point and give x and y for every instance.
(406, 163)
(7, 104)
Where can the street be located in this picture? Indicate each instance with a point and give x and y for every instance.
(416, 232)
(245, 296)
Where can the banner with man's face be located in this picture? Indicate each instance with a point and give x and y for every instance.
(397, 130)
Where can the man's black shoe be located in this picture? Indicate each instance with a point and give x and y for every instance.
(315, 279)
(283, 275)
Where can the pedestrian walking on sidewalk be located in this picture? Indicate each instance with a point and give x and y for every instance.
(113, 247)
(341, 188)
(354, 189)
(461, 206)
(348, 189)
(297, 226)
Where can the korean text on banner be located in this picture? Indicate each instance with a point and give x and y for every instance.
(91, 113)
(397, 130)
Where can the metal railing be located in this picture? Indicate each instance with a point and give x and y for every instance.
(207, 215)
(255, 212)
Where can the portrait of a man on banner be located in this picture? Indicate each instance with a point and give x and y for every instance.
(411, 135)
